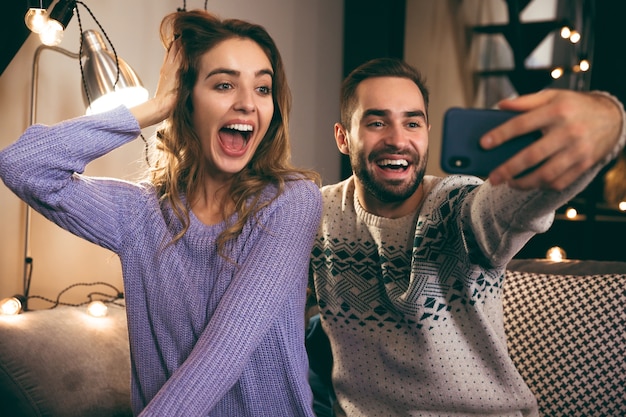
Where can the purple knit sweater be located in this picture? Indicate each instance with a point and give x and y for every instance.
(208, 337)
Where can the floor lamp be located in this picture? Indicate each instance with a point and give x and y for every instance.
(108, 81)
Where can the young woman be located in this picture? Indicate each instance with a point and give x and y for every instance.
(215, 245)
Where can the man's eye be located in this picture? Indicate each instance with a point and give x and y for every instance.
(376, 124)
(414, 125)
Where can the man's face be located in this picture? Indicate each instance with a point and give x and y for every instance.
(388, 138)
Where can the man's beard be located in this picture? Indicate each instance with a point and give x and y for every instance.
(388, 192)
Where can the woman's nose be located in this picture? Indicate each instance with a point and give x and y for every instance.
(245, 101)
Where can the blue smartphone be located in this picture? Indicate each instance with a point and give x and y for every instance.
(462, 129)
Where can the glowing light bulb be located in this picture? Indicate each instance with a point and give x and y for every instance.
(622, 205)
(52, 33)
(557, 73)
(97, 309)
(565, 32)
(10, 306)
(556, 254)
(584, 65)
(574, 37)
(571, 213)
(36, 19)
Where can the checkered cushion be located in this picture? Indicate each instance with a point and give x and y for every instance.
(567, 337)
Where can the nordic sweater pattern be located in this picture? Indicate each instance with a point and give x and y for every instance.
(412, 306)
(208, 337)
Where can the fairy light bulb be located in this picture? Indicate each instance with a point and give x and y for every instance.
(52, 33)
(574, 37)
(556, 254)
(10, 306)
(584, 65)
(97, 309)
(571, 213)
(557, 73)
(36, 19)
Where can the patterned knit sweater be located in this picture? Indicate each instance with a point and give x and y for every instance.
(412, 306)
(208, 337)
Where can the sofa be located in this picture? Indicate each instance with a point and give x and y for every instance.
(62, 362)
(565, 324)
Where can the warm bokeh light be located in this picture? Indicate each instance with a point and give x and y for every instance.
(557, 73)
(571, 213)
(97, 309)
(52, 33)
(36, 19)
(565, 32)
(584, 65)
(10, 306)
(574, 37)
(556, 254)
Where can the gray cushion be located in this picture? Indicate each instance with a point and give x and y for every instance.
(62, 362)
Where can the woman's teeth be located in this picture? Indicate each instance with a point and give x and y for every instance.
(240, 127)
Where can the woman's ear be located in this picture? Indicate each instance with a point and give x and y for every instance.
(341, 137)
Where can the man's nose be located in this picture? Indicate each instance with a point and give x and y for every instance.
(395, 135)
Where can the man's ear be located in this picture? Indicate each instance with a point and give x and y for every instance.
(341, 138)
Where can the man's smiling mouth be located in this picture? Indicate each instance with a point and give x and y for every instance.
(394, 164)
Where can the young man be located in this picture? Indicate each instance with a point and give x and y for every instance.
(408, 269)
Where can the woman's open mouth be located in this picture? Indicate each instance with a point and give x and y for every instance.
(234, 138)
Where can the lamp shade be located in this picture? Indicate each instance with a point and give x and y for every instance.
(100, 73)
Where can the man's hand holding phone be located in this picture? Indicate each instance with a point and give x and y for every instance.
(575, 135)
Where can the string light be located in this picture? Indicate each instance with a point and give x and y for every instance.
(574, 37)
(556, 73)
(52, 32)
(36, 18)
(584, 65)
(556, 254)
(571, 213)
(97, 309)
(12, 306)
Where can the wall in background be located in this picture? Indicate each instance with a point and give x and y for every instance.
(309, 36)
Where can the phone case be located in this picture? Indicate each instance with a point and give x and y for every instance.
(462, 129)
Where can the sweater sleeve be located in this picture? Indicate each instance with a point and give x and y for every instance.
(503, 219)
(44, 166)
(273, 271)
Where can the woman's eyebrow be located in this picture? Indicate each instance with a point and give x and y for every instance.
(230, 71)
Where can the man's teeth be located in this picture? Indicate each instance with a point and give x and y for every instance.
(240, 127)
(394, 162)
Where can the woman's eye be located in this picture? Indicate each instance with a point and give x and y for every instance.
(223, 86)
(265, 90)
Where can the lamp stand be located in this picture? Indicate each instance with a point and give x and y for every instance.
(28, 260)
